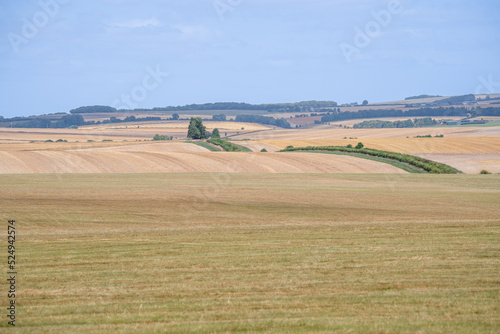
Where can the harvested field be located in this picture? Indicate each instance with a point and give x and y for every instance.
(153, 161)
(207, 253)
(158, 147)
(334, 132)
(39, 135)
(467, 163)
(256, 146)
(406, 145)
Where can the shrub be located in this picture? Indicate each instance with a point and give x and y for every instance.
(349, 146)
(360, 146)
(158, 137)
(484, 171)
(263, 150)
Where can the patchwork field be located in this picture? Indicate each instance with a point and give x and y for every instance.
(126, 148)
(246, 252)
(119, 132)
(117, 233)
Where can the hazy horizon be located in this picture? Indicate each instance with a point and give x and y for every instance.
(61, 54)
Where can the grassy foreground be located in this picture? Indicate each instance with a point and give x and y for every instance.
(244, 252)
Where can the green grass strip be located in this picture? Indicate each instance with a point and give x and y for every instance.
(420, 163)
(227, 146)
(205, 145)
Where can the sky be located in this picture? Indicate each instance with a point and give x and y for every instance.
(56, 55)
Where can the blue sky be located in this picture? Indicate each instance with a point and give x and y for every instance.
(61, 54)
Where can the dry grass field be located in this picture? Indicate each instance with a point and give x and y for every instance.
(296, 253)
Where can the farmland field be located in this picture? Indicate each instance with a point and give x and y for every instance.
(247, 252)
(117, 233)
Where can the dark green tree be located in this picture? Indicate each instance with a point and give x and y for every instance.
(359, 146)
(175, 117)
(365, 102)
(159, 137)
(216, 134)
(219, 118)
(196, 129)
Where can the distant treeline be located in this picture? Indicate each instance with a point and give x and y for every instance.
(126, 119)
(93, 110)
(276, 107)
(421, 112)
(409, 123)
(24, 122)
(459, 99)
(424, 96)
(281, 122)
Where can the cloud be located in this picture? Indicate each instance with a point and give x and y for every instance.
(138, 23)
(196, 32)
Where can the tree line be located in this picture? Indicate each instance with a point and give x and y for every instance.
(273, 107)
(281, 122)
(421, 112)
(63, 122)
(409, 123)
